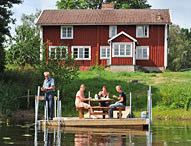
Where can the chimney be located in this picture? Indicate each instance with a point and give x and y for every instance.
(107, 6)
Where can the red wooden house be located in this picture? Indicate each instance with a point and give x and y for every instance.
(122, 39)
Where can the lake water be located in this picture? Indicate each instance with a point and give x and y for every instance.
(163, 133)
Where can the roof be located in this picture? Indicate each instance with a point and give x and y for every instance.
(104, 17)
(122, 32)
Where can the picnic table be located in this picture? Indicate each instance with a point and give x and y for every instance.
(100, 110)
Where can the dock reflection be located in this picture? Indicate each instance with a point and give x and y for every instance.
(92, 136)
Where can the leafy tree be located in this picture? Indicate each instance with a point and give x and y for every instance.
(25, 45)
(96, 4)
(62, 69)
(179, 48)
(5, 19)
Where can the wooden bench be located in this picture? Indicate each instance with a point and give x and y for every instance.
(99, 108)
(81, 112)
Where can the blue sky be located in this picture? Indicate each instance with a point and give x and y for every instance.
(180, 10)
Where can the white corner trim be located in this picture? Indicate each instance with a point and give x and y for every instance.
(41, 43)
(122, 32)
(165, 46)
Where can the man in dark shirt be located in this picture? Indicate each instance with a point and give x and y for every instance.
(122, 100)
(49, 88)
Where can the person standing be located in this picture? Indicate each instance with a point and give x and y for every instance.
(49, 88)
(121, 103)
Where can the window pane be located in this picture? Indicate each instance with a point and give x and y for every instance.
(108, 52)
(122, 49)
(86, 52)
(128, 49)
(75, 52)
(69, 32)
(64, 32)
(63, 51)
(52, 53)
(145, 53)
(116, 49)
(58, 51)
(103, 52)
(81, 54)
(139, 53)
(140, 31)
(113, 31)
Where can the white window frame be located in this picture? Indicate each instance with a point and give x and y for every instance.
(105, 47)
(89, 47)
(145, 34)
(113, 55)
(110, 31)
(61, 31)
(55, 58)
(142, 47)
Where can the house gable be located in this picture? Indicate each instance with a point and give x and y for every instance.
(122, 37)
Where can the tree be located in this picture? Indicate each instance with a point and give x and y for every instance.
(5, 19)
(96, 4)
(25, 45)
(179, 48)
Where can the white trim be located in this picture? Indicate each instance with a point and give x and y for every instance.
(110, 53)
(147, 36)
(66, 26)
(110, 30)
(134, 55)
(142, 47)
(165, 46)
(39, 17)
(122, 32)
(119, 43)
(89, 47)
(107, 47)
(41, 43)
(49, 53)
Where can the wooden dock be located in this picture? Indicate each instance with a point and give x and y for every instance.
(131, 123)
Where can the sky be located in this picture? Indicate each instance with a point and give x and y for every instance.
(180, 10)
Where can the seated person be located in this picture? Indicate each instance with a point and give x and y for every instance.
(120, 103)
(104, 94)
(80, 98)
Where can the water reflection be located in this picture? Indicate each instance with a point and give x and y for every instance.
(92, 136)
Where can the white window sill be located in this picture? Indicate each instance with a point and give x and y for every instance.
(143, 59)
(142, 36)
(67, 38)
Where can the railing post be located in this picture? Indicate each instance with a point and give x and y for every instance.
(130, 105)
(55, 107)
(36, 105)
(149, 106)
(58, 98)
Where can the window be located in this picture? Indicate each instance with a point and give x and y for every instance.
(104, 52)
(66, 32)
(122, 50)
(58, 52)
(112, 31)
(142, 31)
(142, 52)
(81, 52)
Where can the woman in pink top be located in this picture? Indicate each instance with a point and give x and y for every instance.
(80, 98)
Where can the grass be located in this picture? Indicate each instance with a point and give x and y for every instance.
(170, 90)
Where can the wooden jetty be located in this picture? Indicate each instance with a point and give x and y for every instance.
(124, 122)
(132, 123)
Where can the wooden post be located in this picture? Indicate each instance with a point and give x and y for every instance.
(28, 101)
